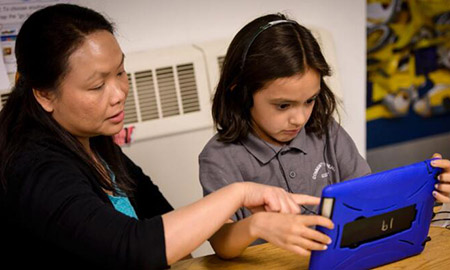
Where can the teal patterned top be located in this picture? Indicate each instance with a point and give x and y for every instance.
(121, 202)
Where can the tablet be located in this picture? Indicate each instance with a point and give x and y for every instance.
(378, 218)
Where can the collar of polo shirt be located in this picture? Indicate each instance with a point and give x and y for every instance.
(264, 151)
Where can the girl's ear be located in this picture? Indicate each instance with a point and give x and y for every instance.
(45, 99)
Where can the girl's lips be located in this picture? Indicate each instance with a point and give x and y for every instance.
(291, 132)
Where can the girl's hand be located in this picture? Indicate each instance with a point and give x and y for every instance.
(291, 232)
(442, 192)
(259, 198)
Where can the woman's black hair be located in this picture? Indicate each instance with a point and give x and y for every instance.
(43, 46)
(261, 53)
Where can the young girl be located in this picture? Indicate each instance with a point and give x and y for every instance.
(273, 114)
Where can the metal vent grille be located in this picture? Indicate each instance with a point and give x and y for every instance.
(171, 91)
(130, 104)
(167, 91)
(188, 88)
(4, 97)
(146, 95)
(220, 60)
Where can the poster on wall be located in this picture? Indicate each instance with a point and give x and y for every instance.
(408, 70)
(12, 14)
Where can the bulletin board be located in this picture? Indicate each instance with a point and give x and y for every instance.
(408, 70)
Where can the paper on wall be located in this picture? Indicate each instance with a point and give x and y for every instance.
(4, 80)
(12, 14)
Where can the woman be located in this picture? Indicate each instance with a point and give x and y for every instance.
(70, 197)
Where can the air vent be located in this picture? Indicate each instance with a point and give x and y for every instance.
(145, 87)
(4, 97)
(176, 93)
(188, 88)
(130, 105)
(167, 91)
(171, 93)
(220, 60)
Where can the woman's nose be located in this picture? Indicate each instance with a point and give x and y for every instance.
(119, 93)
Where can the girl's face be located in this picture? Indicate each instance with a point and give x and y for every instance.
(90, 100)
(283, 106)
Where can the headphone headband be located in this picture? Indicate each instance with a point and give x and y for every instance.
(260, 30)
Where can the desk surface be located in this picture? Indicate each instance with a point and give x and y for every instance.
(267, 256)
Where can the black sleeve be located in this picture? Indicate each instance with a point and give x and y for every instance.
(59, 204)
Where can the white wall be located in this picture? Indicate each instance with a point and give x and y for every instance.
(142, 25)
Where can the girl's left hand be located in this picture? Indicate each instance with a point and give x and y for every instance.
(442, 192)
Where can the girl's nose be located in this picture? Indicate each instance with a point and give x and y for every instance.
(298, 117)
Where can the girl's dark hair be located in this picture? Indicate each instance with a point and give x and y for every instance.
(282, 50)
(43, 46)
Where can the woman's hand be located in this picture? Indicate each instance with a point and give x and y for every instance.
(276, 218)
(257, 198)
(442, 192)
(282, 224)
(291, 232)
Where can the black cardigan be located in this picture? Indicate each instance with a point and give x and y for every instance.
(58, 216)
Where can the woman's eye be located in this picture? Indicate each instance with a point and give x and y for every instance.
(121, 73)
(98, 87)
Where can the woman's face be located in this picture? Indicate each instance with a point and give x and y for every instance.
(90, 100)
(283, 107)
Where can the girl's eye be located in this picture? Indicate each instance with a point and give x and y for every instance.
(311, 101)
(121, 73)
(283, 106)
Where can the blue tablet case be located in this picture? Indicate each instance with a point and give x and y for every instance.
(379, 218)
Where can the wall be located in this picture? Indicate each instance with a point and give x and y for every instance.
(142, 25)
(392, 156)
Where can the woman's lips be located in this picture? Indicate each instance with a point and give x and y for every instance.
(117, 118)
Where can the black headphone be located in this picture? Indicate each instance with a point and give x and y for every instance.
(260, 30)
(329, 173)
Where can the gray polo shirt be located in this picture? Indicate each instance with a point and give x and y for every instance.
(306, 165)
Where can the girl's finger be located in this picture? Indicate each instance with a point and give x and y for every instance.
(316, 236)
(297, 250)
(310, 245)
(441, 163)
(440, 197)
(444, 177)
(436, 155)
(443, 188)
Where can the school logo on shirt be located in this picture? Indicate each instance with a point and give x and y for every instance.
(324, 172)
